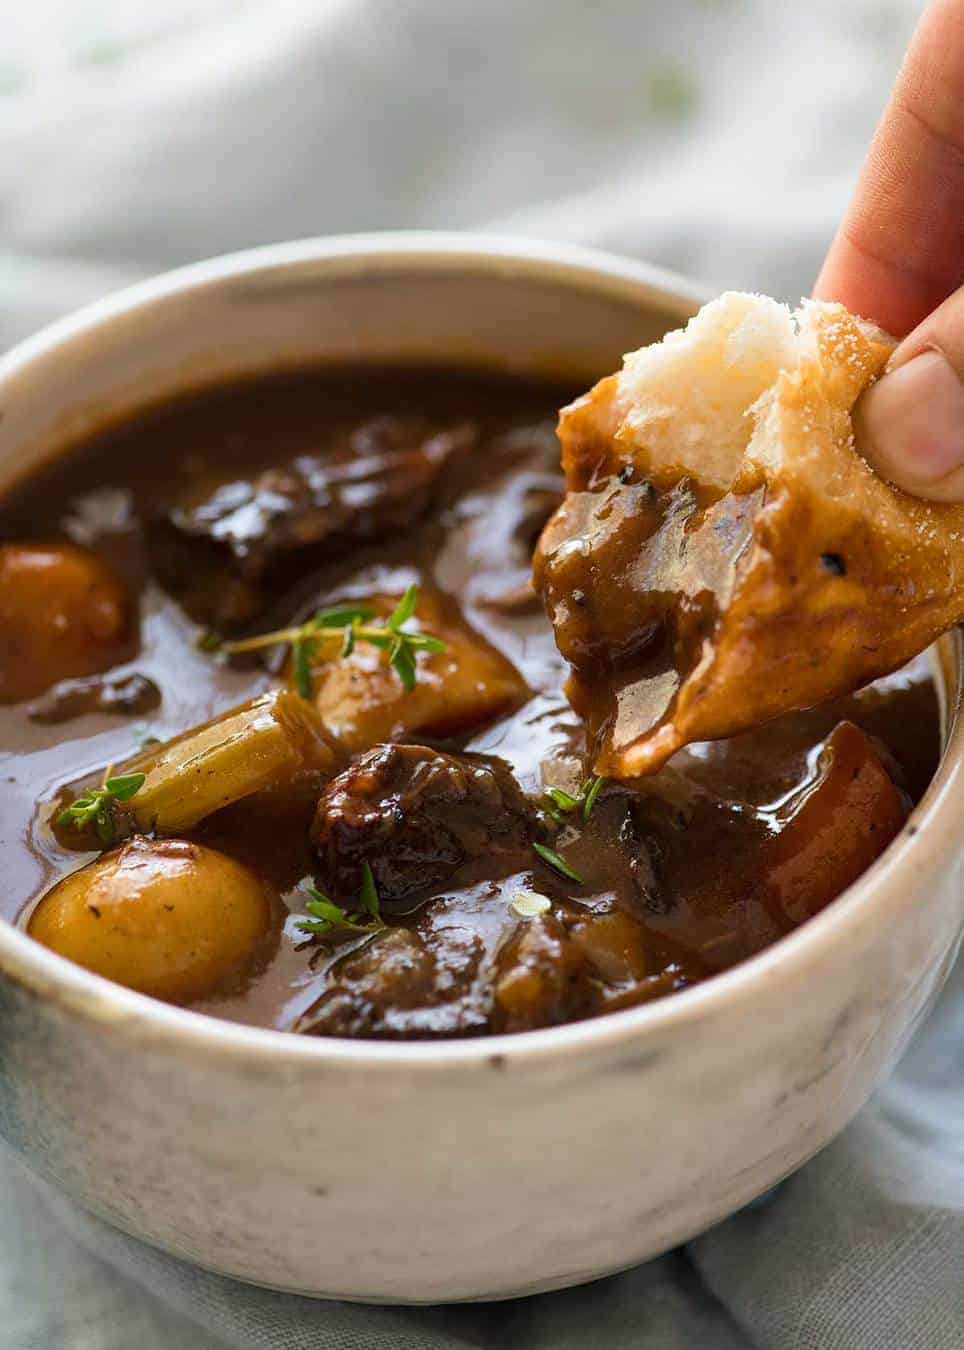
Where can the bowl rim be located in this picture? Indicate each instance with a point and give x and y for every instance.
(935, 820)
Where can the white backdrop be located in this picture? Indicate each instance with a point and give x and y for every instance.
(716, 136)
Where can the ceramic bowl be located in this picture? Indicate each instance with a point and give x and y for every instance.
(476, 1169)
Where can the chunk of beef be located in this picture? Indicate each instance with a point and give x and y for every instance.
(415, 815)
(219, 544)
(536, 983)
(400, 986)
(439, 983)
(561, 967)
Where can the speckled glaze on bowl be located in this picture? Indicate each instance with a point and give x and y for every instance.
(480, 1169)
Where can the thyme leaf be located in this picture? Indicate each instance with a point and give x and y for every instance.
(342, 616)
(563, 803)
(591, 793)
(550, 857)
(405, 608)
(302, 653)
(351, 624)
(327, 917)
(96, 808)
(126, 786)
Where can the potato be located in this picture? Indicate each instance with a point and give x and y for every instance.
(63, 613)
(362, 701)
(162, 916)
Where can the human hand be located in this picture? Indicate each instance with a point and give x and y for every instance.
(898, 259)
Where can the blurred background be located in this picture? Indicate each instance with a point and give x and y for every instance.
(720, 138)
(717, 137)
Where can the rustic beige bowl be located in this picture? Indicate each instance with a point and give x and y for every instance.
(480, 1169)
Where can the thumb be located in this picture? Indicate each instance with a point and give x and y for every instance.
(910, 424)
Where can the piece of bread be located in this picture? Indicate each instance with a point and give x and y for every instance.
(724, 554)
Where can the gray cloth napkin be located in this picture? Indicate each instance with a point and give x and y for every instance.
(719, 137)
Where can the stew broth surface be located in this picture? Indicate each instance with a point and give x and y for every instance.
(682, 875)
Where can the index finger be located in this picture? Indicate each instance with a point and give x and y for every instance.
(900, 249)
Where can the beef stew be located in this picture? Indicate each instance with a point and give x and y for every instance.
(285, 738)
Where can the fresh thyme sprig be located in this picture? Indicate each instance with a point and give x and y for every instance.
(564, 803)
(349, 624)
(328, 917)
(97, 807)
(559, 804)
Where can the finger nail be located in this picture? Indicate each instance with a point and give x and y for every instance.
(910, 426)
